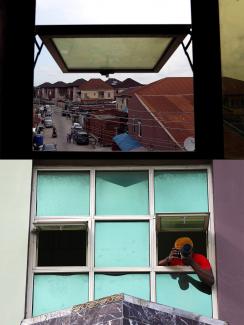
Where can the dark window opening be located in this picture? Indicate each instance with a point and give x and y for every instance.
(62, 248)
(166, 242)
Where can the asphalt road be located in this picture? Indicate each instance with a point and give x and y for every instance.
(63, 126)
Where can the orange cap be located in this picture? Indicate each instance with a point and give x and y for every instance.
(181, 241)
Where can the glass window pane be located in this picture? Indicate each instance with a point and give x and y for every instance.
(63, 194)
(55, 292)
(121, 244)
(121, 193)
(111, 53)
(136, 285)
(181, 191)
(181, 294)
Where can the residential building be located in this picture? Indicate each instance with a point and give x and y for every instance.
(96, 228)
(96, 89)
(123, 97)
(161, 114)
(76, 90)
(125, 85)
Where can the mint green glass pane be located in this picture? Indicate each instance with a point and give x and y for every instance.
(136, 285)
(189, 298)
(122, 192)
(63, 194)
(55, 292)
(181, 191)
(121, 244)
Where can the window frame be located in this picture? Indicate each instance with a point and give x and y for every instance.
(207, 86)
(153, 269)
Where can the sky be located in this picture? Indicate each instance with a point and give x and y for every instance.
(67, 12)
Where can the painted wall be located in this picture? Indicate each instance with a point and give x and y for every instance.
(228, 177)
(15, 191)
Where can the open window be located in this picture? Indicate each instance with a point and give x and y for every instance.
(170, 226)
(61, 245)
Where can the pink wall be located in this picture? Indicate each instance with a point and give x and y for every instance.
(228, 177)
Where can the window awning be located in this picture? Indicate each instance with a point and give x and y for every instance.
(112, 48)
(54, 224)
(182, 222)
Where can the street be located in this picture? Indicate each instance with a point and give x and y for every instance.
(63, 126)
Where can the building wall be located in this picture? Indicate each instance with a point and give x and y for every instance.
(15, 190)
(76, 97)
(228, 177)
(94, 94)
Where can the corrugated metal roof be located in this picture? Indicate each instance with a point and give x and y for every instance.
(170, 102)
(169, 86)
(126, 142)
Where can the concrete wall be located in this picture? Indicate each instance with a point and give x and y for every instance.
(15, 190)
(228, 177)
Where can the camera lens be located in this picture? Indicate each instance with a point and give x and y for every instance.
(186, 250)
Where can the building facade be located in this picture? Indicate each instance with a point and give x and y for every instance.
(82, 232)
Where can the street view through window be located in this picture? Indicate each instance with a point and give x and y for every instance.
(122, 111)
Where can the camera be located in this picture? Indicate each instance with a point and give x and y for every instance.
(186, 250)
(177, 253)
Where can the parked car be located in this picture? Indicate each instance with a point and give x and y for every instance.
(49, 147)
(48, 122)
(81, 137)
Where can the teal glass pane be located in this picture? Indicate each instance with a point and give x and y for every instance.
(63, 194)
(181, 191)
(122, 192)
(121, 244)
(55, 292)
(182, 294)
(137, 285)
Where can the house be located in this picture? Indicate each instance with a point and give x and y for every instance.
(42, 91)
(75, 89)
(123, 97)
(59, 90)
(161, 114)
(126, 84)
(96, 89)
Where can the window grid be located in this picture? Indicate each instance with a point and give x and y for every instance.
(90, 269)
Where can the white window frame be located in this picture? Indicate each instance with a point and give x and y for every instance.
(90, 268)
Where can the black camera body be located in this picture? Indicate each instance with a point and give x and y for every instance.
(186, 250)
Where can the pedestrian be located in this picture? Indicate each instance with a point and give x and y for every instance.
(68, 137)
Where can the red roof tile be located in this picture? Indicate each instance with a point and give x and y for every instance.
(78, 82)
(95, 84)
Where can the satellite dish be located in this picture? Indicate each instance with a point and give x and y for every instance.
(189, 144)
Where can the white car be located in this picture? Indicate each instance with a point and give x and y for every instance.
(48, 122)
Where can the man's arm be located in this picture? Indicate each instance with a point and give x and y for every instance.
(206, 276)
(164, 262)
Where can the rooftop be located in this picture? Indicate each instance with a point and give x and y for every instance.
(95, 84)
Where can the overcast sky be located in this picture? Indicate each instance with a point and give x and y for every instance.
(67, 12)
